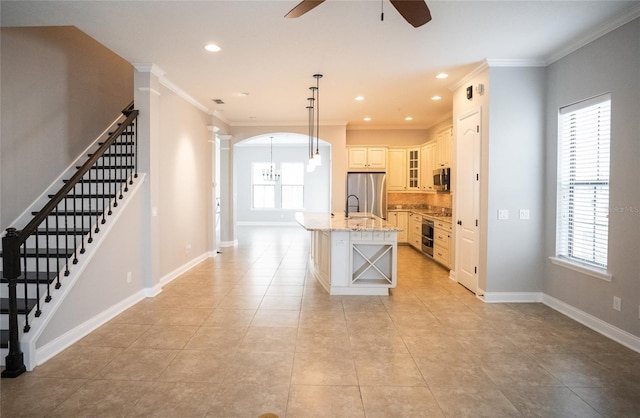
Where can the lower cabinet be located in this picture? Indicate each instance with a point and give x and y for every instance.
(400, 219)
(415, 231)
(442, 243)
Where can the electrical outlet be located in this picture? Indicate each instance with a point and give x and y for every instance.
(524, 214)
(617, 303)
(503, 214)
(128, 277)
(187, 248)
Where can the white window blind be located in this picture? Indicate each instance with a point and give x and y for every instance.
(583, 176)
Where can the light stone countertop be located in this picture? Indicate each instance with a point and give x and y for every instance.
(317, 221)
(424, 212)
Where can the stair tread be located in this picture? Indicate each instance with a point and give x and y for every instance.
(44, 253)
(100, 180)
(24, 306)
(43, 277)
(86, 196)
(111, 154)
(109, 167)
(52, 231)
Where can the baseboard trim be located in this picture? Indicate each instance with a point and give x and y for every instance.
(616, 334)
(74, 335)
(168, 278)
(512, 297)
(266, 223)
(229, 243)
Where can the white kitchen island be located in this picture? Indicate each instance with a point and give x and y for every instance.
(354, 256)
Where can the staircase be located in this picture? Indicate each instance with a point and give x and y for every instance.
(37, 258)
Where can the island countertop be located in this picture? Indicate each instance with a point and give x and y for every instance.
(320, 221)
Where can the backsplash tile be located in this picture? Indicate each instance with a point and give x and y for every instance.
(419, 200)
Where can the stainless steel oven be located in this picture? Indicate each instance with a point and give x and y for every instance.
(427, 236)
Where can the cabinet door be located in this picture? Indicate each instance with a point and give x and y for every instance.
(357, 158)
(445, 144)
(413, 167)
(397, 172)
(427, 165)
(377, 158)
(402, 221)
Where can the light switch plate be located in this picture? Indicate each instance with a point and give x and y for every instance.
(503, 214)
(524, 214)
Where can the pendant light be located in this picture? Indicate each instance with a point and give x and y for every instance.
(271, 174)
(316, 157)
(310, 165)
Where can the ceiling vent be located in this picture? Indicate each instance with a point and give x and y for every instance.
(218, 101)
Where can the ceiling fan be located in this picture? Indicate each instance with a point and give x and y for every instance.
(415, 12)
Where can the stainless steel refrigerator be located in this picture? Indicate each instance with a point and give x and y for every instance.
(367, 192)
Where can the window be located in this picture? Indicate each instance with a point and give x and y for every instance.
(583, 183)
(263, 192)
(290, 187)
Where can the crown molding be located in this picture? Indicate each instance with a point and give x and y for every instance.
(143, 67)
(186, 96)
(286, 123)
(622, 19)
(483, 65)
(520, 62)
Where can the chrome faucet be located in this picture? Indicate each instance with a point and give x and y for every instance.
(357, 204)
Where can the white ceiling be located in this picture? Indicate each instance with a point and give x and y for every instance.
(390, 63)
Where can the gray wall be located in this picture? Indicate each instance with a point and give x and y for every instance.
(515, 178)
(103, 283)
(60, 90)
(609, 64)
(316, 184)
(185, 181)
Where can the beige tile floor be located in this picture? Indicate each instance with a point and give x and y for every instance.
(249, 332)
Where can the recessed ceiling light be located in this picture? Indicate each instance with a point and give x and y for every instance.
(244, 94)
(408, 118)
(359, 98)
(436, 98)
(367, 119)
(212, 47)
(442, 75)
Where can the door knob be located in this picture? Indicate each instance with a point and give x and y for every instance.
(459, 222)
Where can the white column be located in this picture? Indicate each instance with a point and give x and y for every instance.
(227, 198)
(147, 101)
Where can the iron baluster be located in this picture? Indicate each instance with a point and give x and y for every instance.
(25, 298)
(118, 162)
(38, 311)
(135, 128)
(95, 202)
(66, 243)
(125, 159)
(75, 196)
(100, 165)
(48, 297)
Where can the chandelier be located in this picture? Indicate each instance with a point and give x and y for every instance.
(271, 174)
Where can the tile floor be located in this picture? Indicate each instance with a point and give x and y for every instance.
(249, 333)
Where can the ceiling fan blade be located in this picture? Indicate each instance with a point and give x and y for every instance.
(303, 7)
(415, 12)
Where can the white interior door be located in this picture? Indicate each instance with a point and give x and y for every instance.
(468, 197)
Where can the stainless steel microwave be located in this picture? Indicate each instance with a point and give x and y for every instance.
(441, 178)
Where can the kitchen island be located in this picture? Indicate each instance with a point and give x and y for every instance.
(352, 256)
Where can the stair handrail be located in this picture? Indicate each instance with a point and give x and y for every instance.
(14, 239)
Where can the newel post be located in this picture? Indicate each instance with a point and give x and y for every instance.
(14, 362)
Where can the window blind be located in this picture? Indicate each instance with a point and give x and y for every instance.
(583, 175)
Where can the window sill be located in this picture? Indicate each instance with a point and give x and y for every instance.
(582, 268)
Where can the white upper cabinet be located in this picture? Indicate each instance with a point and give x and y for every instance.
(445, 146)
(427, 165)
(397, 172)
(367, 158)
(413, 167)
